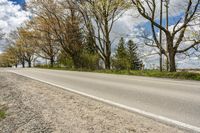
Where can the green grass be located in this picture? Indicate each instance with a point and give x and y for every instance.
(147, 73)
(157, 74)
(2, 112)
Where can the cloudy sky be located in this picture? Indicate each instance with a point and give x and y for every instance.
(12, 16)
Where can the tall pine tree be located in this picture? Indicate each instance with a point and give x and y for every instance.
(120, 59)
(133, 60)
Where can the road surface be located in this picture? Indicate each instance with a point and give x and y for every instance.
(167, 100)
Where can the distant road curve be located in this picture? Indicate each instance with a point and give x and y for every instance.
(175, 102)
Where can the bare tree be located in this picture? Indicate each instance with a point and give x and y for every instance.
(174, 37)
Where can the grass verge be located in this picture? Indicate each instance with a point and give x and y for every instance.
(158, 74)
(147, 73)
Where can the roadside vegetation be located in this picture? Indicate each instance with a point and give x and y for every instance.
(183, 75)
(2, 112)
(158, 74)
(77, 35)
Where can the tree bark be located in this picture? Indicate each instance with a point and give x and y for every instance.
(161, 23)
(172, 62)
(107, 63)
(23, 64)
(171, 53)
(52, 62)
(29, 64)
(167, 63)
(161, 61)
(108, 45)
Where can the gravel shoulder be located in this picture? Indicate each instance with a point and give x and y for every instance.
(35, 107)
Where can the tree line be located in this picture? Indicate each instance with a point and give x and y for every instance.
(77, 34)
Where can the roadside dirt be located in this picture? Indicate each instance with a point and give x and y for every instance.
(35, 107)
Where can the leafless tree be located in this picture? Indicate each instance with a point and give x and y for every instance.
(174, 37)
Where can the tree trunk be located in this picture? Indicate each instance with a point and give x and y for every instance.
(52, 62)
(107, 63)
(161, 62)
(171, 53)
(161, 22)
(108, 45)
(29, 64)
(167, 63)
(23, 64)
(172, 62)
(76, 61)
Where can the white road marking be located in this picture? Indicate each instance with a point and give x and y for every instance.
(144, 113)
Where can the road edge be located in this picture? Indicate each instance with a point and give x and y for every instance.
(159, 118)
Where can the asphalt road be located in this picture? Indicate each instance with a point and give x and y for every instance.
(172, 99)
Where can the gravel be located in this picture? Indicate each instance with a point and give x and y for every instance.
(35, 107)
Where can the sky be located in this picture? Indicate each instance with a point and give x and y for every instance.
(20, 2)
(12, 16)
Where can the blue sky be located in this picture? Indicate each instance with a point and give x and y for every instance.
(172, 20)
(20, 2)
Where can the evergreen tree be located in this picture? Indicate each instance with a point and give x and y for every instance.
(120, 59)
(133, 60)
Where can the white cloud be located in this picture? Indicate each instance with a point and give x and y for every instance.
(132, 18)
(11, 16)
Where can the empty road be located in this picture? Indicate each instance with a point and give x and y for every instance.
(168, 100)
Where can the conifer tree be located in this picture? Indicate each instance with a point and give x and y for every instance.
(120, 59)
(133, 59)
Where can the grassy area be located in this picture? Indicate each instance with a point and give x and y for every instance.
(2, 112)
(147, 73)
(158, 74)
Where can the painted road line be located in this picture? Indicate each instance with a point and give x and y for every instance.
(139, 111)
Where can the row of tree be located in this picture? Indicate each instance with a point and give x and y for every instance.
(78, 33)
